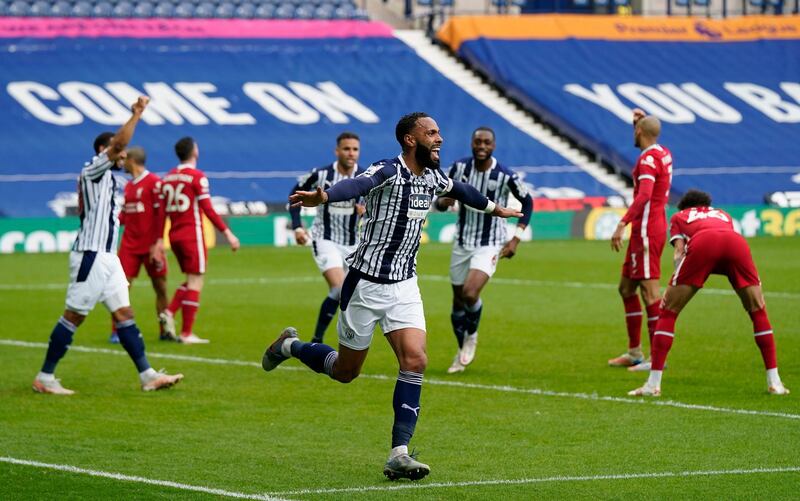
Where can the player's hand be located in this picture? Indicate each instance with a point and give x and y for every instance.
(308, 198)
(638, 114)
(301, 236)
(360, 209)
(509, 249)
(138, 107)
(616, 238)
(233, 241)
(505, 212)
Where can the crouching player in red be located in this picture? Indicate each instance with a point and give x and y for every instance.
(141, 216)
(705, 243)
(186, 198)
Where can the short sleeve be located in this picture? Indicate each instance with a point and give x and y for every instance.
(201, 187)
(676, 228)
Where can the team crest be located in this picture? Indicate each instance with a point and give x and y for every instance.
(491, 185)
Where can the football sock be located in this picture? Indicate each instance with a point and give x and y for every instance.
(662, 339)
(762, 330)
(654, 379)
(175, 304)
(406, 406)
(472, 317)
(60, 339)
(131, 339)
(458, 319)
(773, 379)
(633, 321)
(189, 307)
(317, 356)
(326, 313)
(653, 311)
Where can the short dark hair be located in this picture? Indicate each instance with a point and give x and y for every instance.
(184, 148)
(406, 124)
(485, 129)
(102, 141)
(694, 198)
(346, 135)
(137, 154)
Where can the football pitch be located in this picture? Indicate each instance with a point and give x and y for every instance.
(537, 415)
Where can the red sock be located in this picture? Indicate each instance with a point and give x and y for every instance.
(175, 304)
(653, 311)
(762, 331)
(633, 320)
(189, 307)
(662, 339)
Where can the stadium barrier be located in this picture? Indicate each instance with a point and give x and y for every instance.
(34, 235)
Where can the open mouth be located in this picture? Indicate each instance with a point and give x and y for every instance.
(435, 152)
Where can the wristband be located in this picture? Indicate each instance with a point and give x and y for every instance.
(490, 207)
(520, 232)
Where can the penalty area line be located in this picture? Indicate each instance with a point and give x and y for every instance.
(141, 480)
(433, 382)
(540, 480)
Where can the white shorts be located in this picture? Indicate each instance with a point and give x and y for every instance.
(393, 306)
(328, 254)
(480, 258)
(98, 280)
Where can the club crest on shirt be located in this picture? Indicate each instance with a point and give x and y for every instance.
(418, 205)
(491, 185)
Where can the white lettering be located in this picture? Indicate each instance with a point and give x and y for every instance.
(94, 102)
(9, 240)
(701, 102)
(278, 101)
(766, 101)
(333, 102)
(29, 95)
(40, 241)
(166, 105)
(215, 107)
(793, 89)
(656, 103)
(602, 95)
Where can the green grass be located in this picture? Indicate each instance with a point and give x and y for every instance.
(237, 428)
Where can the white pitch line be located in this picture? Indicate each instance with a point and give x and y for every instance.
(523, 481)
(435, 382)
(140, 480)
(424, 277)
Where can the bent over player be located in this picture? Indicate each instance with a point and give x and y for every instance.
(480, 238)
(652, 177)
(705, 243)
(381, 286)
(335, 229)
(95, 271)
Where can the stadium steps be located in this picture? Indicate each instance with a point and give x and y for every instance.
(452, 68)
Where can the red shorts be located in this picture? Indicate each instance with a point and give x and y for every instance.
(131, 262)
(191, 254)
(718, 252)
(643, 258)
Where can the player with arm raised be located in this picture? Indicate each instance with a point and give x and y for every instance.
(480, 238)
(335, 229)
(186, 199)
(652, 177)
(705, 243)
(96, 273)
(381, 286)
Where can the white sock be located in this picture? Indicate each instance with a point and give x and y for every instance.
(286, 347)
(400, 449)
(654, 381)
(45, 377)
(773, 379)
(148, 374)
(636, 352)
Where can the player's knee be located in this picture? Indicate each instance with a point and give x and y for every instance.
(335, 293)
(123, 314)
(625, 290)
(74, 318)
(470, 295)
(414, 362)
(347, 375)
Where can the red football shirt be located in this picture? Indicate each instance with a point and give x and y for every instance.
(141, 213)
(186, 198)
(652, 177)
(689, 222)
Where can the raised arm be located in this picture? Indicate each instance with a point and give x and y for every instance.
(119, 142)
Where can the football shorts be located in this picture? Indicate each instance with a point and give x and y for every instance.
(482, 258)
(96, 277)
(191, 254)
(720, 253)
(329, 254)
(643, 257)
(132, 262)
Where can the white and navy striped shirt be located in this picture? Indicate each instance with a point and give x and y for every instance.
(476, 228)
(338, 221)
(396, 210)
(98, 207)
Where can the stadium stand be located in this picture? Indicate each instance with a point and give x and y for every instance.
(726, 91)
(264, 99)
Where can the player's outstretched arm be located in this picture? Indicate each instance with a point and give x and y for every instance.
(123, 136)
(347, 189)
(468, 195)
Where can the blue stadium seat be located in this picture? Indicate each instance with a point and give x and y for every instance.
(184, 10)
(19, 8)
(284, 11)
(304, 12)
(601, 3)
(122, 9)
(3, 8)
(623, 3)
(701, 3)
(757, 3)
(324, 11)
(143, 9)
(206, 10)
(225, 10)
(424, 3)
(60, 9)
(245, 11)
(164, 9)
(82, 9)
(102, 9)
(518, 3)
(265, 11)
(39, 9)
(682, 3)
(343, 12)
(580, 3)
(360, 14)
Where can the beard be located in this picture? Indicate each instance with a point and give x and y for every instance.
(423, 156)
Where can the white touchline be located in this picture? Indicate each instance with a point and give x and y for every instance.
(141, 480)
(424, 277)
(432, 381)
(523, 481)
